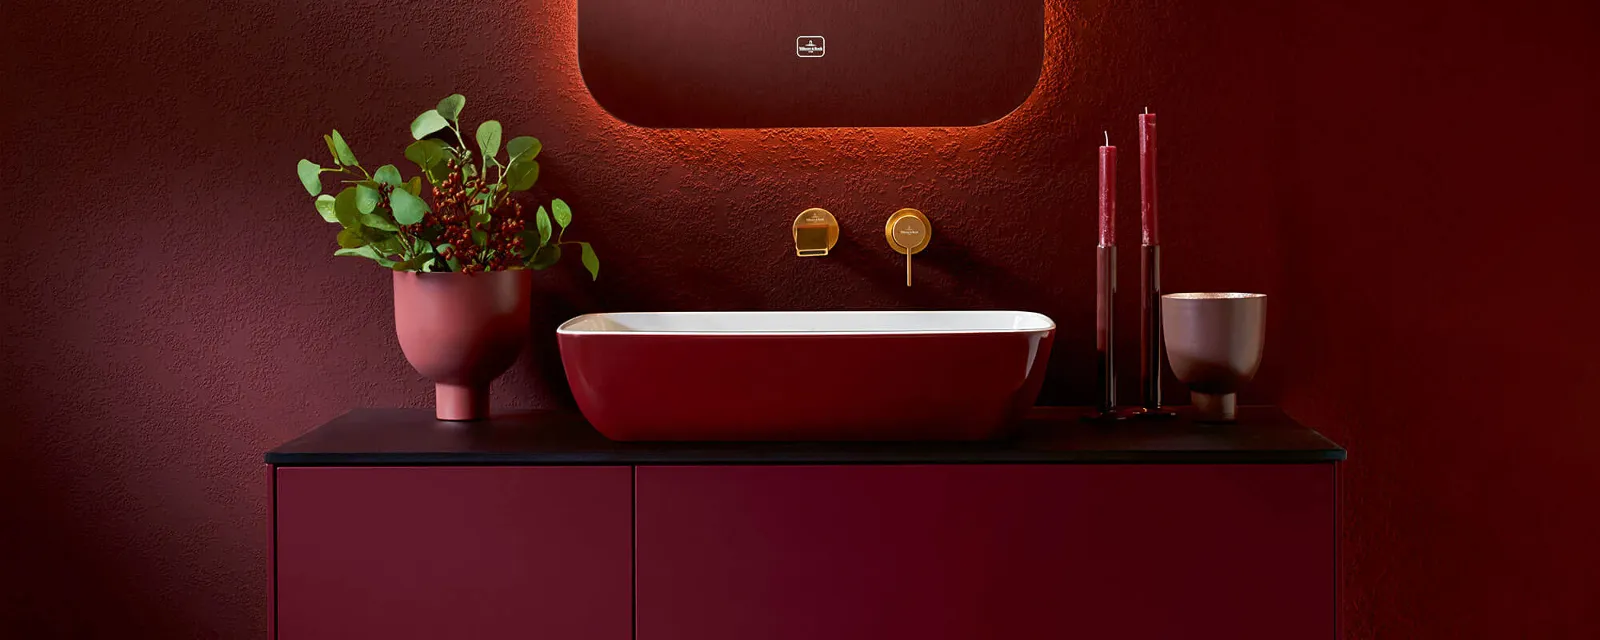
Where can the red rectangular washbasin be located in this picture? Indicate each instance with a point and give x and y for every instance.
(809, 375)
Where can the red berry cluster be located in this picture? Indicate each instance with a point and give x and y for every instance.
(505, 229)
(452, 216)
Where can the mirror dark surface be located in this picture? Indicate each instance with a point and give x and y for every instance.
(810, 63)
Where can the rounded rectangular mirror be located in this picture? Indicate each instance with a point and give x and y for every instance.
(810, 63)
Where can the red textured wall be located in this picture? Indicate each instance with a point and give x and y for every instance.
(172, 308)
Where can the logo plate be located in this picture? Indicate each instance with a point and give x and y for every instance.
(810, 46)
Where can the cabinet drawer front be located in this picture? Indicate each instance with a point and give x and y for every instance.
(454, 552)
(969, 552)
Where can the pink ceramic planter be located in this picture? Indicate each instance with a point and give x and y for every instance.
(462, 331)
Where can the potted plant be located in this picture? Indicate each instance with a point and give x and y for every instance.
(461, 247)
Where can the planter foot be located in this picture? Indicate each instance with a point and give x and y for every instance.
(1214, 407)
(460, 403)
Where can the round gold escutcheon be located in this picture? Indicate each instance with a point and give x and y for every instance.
(908, 231)
(816, 231)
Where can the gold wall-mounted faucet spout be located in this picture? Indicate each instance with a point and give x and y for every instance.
(815, 233)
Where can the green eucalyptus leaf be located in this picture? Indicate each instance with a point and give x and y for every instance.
(541, 221)
(408, 208)
(342, 150)
(390, 244)
(590, 261)
(480, 238)
(389, 175)
(376, 221)
(345, 209)
(489, 138)
(414, 186)
(437, 173)
(530, 243)
(450, 107)
(546, 257)
(429, 122)
(424, 153)
(380, 239)
(366, 252)
(562, 213)
(522, 174)
(325, 207)
(418, 153)
(525, 146)
(351, 238)
(367, 198)
(358, 252)
(310, 176)
(332, 151)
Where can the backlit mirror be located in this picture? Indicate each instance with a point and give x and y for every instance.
(810, 63)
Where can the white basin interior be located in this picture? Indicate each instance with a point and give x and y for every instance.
(809, 322)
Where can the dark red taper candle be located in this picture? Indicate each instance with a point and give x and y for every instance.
(1108, 194)
(1147, 179)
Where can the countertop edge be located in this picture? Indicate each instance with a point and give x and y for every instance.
(687, 459)
(363, 437)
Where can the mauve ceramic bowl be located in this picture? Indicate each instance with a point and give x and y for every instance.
(1214, 343)
(820, 375)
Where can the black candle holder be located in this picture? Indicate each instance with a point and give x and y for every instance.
(1150, 343)
(1106, 409)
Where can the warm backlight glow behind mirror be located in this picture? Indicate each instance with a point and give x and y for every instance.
(810, 63)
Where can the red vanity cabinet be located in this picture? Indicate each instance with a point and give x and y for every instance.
(963, 552)
(454, 552)
(387, 524)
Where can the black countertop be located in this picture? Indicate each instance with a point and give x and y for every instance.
(1050, 435)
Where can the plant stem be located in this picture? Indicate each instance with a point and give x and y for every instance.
(410, 247)
(455, 128)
